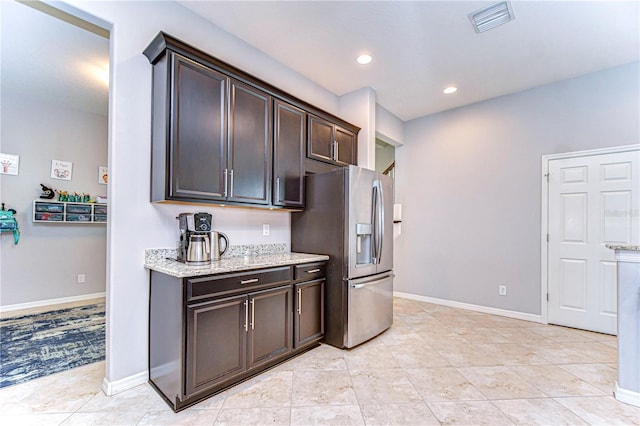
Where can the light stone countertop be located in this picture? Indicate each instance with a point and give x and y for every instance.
(623, 247)
(166, 264)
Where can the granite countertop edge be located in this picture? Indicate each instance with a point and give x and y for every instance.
(233, 264)
(628, 247)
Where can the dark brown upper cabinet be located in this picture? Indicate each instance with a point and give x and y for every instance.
(222, 136)
(219, 136)
(196, 134)
(330, 142)
(250, 145)
(346, 147)
(288, 160)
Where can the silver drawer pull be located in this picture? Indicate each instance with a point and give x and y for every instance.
(252, 280)
(313, 271)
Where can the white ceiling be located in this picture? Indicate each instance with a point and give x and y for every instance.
(419, 47)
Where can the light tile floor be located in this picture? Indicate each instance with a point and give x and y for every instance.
(436, 365)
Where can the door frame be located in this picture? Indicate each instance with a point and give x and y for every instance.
(544, 229)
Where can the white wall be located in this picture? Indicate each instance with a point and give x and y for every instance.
(359, 108)
(45, 263)
(470, 183)
(135, 223)
(389, 128)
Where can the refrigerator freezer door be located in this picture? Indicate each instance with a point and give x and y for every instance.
(370, 307)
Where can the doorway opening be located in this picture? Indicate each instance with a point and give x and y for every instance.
(385, 158)
(55, 103)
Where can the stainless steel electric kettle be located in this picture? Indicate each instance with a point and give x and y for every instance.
(216, 253)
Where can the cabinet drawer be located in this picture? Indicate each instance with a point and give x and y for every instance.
(49, 208)
(100, 218)
(310, 271)
(78, 217)
(51, 217)
(78, 209)
(201, 288)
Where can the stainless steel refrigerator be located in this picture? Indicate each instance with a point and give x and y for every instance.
(349, 216)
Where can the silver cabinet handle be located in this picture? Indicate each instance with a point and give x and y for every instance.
(299, 301)
(246, 315)
(253, 314)
(313, 271)
(252, 280)
(335, 150)
(231, 191)
(225, 182)
(277, 189)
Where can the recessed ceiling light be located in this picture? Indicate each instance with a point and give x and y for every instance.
(449, 90)
(364, 59)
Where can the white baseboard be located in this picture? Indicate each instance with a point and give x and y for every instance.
(117, 386)
(627, 396)
(468, 306)
(60, 301)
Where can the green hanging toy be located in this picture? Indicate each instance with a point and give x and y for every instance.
(8, 223)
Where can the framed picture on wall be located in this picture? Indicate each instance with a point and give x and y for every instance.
(103, 175)
(61, 169)
(9, 164)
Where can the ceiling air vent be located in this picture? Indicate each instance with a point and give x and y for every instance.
(492, 16)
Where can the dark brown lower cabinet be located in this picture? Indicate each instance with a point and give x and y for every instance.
(208, 333)
(309, 314)
(270, 325)
(215, 330)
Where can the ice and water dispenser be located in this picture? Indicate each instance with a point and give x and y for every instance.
(364, 254)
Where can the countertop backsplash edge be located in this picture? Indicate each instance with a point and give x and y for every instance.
(238, 258)
(234, 251)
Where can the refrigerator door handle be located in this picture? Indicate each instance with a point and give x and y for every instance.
(368, 281)
(380, 220)
(374, 222)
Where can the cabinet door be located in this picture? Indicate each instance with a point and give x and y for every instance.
(270, 324)
(309, 312)
(345, 147)
(250, 143)
(216, 342)
(198, 134)
(288, 178)
(321, 139)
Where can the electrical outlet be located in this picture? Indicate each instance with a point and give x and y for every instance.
(265, 229)
(81, 278)
(502, 290)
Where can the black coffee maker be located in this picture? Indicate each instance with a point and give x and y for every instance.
(194, 238)
(198, 244)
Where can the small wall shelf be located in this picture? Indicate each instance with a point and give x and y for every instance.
(68, 212)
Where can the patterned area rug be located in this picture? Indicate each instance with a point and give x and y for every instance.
(37, 345)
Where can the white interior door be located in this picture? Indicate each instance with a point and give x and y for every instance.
(593, 200)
